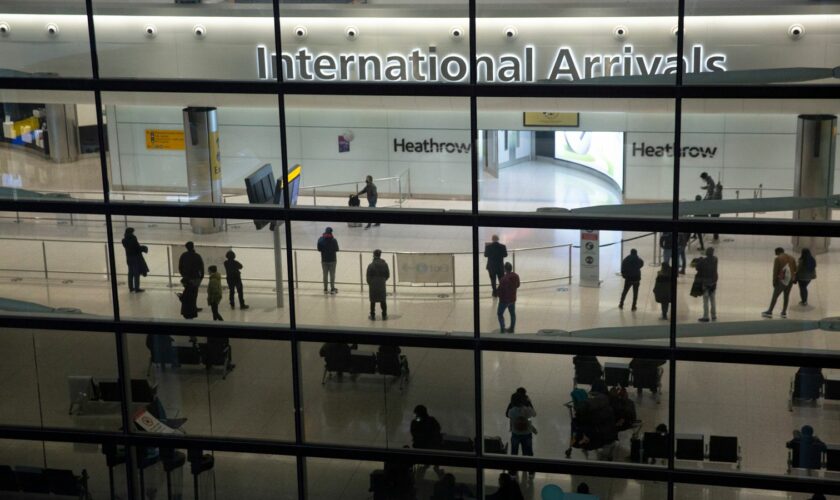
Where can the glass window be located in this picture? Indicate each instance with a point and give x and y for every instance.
(179, 283)
(366, 395)
(45, 40)
(422, 280)
(415, 43)
(590, 156)
(211, 41)
(571, 42)
(190, 147)
(550, 486)
(761, 159)
(415, 149)
(596, 408)
(760, 294)
(687, 491)
(213, 386)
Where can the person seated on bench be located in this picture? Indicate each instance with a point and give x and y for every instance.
(388, 360)
(646, 373)
(425, 429)
(807, 449)
(624, 409)
(446, 488)
(161, 350)
(807, 383)
(594, 424)
(508, 489)
(217, 351)
(337, 357)
(587, 369)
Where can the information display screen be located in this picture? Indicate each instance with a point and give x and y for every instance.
(601, 151)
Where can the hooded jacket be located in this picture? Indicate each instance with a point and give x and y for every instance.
(328, 246)
(214, 288)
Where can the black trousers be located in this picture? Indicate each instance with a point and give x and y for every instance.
(382, 305)
(216, 315)
(235, 286)
(189, 308)
(495, 275)
(627, 285)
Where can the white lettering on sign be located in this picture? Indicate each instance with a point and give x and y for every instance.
(429, 66)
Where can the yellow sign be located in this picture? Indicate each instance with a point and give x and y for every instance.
(165, 139)
(215, 157)
(27, 125)
(548, 119)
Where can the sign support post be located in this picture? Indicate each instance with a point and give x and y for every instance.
(590, 258)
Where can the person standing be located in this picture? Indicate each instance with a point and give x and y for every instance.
(425, 429)
(377, 276)
(233, 275)
(191, 267)
(328, 246)
(682, 243)
(707, 275)
(699, 235)
(666, 243)
(662, 289)
(495, 253)
(520, 412)
(708, 186)
(214, 292)
(631, 271)
(134, 259)
(784, 271)
(806, 270)
(372, 195)
(507, 298)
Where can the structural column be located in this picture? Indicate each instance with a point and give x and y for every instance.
(62, 132)
(816, 137)
(204, 165)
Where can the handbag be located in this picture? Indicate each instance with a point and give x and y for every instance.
(696, 288)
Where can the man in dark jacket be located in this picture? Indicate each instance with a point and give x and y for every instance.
(191, 267)
(495, 253)
(707, 275)
(378, 274)
(708, 186)
(631, 271)
(682, 243)
(425, 429)
(507, 298)
(666, 243)
(233, 276)
(328, 246)
(372, 194)
(134, 259)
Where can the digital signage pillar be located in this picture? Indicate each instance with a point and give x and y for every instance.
(816, 137)
(62, 132)
(204, 165)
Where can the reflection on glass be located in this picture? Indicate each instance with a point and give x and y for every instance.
(555, 155)
(422, 279)
(214, 386)
(369, 396)
(179, 283)
(690, 491)
(598, 408)
(776, 420)
(551, 486)
(768, 291)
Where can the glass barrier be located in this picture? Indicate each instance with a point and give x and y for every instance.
(684, 491)
(573, 487)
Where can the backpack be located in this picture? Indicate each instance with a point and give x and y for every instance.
(520, 424)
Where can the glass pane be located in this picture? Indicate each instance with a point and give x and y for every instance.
(762, 159)
(40, 39)
(793, 432)
(54, 263)
(691, 491)
(166, 282)
(214, 386)
(606, 43)
(418, 42)
(752, 45)
(53, 146)
(60, 379)
(356, 480)
(598, 421)
(175, 473)
(422, 279)
(551, 486)
(211, 41)
(589, 156)
(72, 469)
(365, 395)
(568, 293)
(766, 292)
(415, 149)
(190, 147)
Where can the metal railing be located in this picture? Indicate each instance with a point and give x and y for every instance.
(757, 193)
(401, 195)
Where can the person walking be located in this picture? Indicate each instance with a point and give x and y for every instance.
(662, 289)
(134, 259)
(707, 275)
(328, 246)
(233, 276)
(806, 271)
(520, 411)
(495, 253)
(372, 195)
(507, 298)
(377, 275)
(214, 292)
(682, 243)
(666, 243)
(191, 267)
(631, 271)
(784, 272)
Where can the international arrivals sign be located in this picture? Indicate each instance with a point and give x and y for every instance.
(428, 65)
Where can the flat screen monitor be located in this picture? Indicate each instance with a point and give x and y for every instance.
(262, 188)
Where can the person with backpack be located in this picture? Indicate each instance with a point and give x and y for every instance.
(707, 276)
(425, 429)
(520, 411)
(233, 276)
(134, 259)
(662, 289)
(806, 271)
(631, 271)
(328, 247)
(214, 292)
(784, 271)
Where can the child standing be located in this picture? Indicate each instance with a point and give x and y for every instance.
(214, 292)
(233, 274)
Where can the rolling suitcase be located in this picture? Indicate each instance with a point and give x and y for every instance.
(494, 444)
(456, 443)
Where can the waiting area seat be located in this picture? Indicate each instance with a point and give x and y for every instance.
(639, 373)
(39, 481)
(85, 391)
(719, 449)
(215, 352)
(387, 360)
